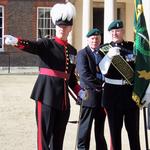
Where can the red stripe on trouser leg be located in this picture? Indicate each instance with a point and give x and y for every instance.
(111, 146)
(39, 125)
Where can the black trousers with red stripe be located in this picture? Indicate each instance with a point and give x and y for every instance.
(51, 124)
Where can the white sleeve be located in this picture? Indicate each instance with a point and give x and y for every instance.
(105, 64)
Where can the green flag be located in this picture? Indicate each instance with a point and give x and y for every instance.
(142, 51)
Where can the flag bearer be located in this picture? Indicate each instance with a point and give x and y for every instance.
(117, 98)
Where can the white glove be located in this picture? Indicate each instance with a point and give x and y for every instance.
(83, 94)
(146, 98)
(113, 51)
(10, 40)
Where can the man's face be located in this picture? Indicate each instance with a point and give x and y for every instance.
(94, 41)
(117, 35)
(62, 31)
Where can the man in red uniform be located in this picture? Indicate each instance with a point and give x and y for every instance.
(57, 66)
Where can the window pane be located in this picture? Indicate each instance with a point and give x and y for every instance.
(47, 32)
(47, 23)
(45, 26)
(52, 25)
(0, 12)
(0, 43)
(39, 33)
(0, 32)
(1, 28)
(41, 23)
(41, 13)
(47, 13)
(0, 22)
(53, 32)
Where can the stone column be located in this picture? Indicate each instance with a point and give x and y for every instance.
(110, 14)
(87, 19)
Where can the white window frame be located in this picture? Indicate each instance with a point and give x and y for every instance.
(51, 29)
(2, 27)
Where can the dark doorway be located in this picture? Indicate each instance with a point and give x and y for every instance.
(98, 18)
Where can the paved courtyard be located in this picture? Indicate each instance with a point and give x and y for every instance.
(17, 117)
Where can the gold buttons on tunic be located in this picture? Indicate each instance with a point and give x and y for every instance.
(67, 59)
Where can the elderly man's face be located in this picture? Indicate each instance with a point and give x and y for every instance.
(117, 35)
(94, 41)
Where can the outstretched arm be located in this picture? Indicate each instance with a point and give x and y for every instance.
(33, 47)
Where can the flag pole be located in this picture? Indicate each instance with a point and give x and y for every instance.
(148, 116)
(145, 129)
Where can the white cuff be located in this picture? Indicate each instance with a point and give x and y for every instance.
(105, 64)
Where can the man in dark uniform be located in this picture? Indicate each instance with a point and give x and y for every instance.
(57, 65)
(117, 96)
(91, 79)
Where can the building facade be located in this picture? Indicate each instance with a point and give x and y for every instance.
(30, 19)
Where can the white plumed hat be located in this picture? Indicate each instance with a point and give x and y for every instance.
(63, 14)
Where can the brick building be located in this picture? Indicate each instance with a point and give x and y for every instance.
(28, 19)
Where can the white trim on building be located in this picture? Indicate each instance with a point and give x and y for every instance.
(1, 28)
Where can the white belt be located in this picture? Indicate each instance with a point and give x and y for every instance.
(115, 81)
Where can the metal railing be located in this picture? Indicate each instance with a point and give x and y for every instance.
(18, 62)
